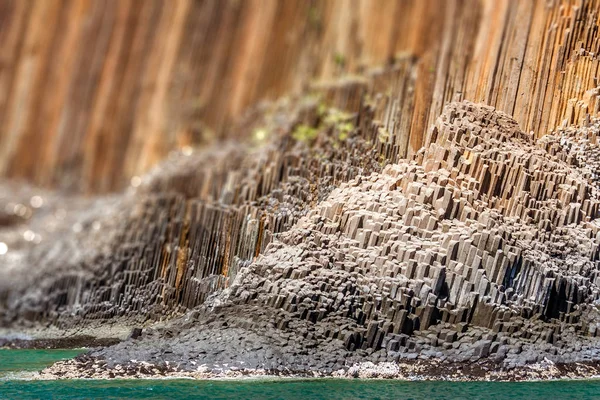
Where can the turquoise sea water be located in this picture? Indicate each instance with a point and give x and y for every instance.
(296, 389)
(12, 361)
(32, 360)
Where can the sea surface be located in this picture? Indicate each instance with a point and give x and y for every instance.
(16, 368)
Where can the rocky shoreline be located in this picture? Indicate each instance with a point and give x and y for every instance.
(85, 367)
(233, 353)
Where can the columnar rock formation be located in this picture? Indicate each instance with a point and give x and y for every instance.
(367, 217)
(93, 93)
(485, 244)
(196, 220)
(485, 228)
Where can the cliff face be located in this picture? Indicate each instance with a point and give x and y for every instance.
(93, 93)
